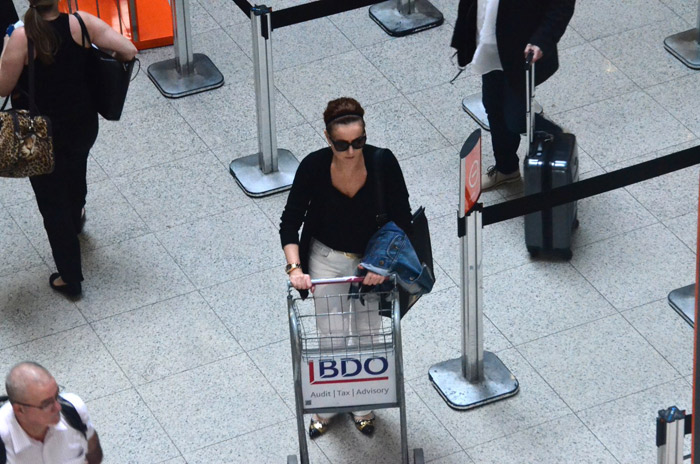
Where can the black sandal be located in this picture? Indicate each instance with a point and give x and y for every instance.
(72, 290)
(318, 427)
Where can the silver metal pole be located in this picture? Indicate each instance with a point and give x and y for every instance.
(672, 423)
(271, 169)
(264, 90)
(133, 15)
(472, 311)
(188, 73)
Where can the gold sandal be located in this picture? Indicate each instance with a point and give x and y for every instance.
(366, 426)
(317, 427)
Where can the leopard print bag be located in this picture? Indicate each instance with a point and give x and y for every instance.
(26, 145)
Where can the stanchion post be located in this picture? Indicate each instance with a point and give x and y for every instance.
(188, 73)
(272, 169)
(670, 434)
(403, 17)
(478, 377)
(686, 45)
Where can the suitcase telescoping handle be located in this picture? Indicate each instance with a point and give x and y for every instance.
(529, 97)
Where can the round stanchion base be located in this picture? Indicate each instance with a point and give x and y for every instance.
(255, 183)
(397, 24)
(685, 47)
(474, 107)
(682, 300)
(498, 383)
(204, 76)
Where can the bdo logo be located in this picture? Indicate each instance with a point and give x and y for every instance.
(345, 370)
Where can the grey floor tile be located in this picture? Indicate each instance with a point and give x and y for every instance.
(309, 87)
(637, 53)
(406, 64)
(178, 460)
(15, 191)
(502, 418)
(135, 436)
(220, 248)
(254, 307)
(636, 268)
(539, 299)
(359, 28)
(571, 38)
(17, 251)
(233, 63)
(129, 275)
(110, 220)
(562, 440)
(200, 19)
(607, 215)
(448, 8)
(666, 331)
(30, 309)
(227, 14)
(77, 360)
(439, 198)
(623, 127)
(432, 333)
(345, 445)
(686, 9)
(599, 18)
(181, 191)
(212, 118)
(457, 458)
(442, 106)
(271, 444)
(685, 228)
(142, 92)
(627, 426)
(566, 90)
(145, 137)
(585, 374)
(275, 363)
(396, 123)
(680, 98)
(233, 392)
(299, 44)
(166, 338)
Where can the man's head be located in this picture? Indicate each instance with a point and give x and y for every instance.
(33, 393)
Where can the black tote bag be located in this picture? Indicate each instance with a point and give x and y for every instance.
(109, 78)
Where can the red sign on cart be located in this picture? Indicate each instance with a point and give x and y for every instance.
(470, 172)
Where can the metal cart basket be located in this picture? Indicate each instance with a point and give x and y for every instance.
(347, 358)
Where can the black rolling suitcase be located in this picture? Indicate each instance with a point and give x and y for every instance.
(551, 161)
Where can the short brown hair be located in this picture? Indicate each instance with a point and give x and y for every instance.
(344, 110)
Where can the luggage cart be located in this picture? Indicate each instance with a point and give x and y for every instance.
(338, 368)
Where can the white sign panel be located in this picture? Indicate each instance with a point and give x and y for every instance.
(349, 381)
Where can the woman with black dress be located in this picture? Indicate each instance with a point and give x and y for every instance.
(334, 197)
(62, 93)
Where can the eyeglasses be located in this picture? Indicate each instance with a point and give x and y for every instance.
(342, 145)
(46, 404)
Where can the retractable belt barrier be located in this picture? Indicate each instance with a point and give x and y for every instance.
(590, 187)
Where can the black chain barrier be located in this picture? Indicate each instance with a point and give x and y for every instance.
(590, 187)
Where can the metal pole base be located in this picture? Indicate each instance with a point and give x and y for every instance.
(255, 183)
(204, 76)
(685, 47)
(682, 300)
(473, 105)
(422, 16)
(498, 383)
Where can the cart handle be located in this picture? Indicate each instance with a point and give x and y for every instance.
(335, 280)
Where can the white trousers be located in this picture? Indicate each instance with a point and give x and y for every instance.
(338, 317)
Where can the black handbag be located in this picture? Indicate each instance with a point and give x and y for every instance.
(419, 235)
(108, 77)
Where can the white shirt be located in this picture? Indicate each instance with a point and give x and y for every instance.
(486, 57)
(62, 444)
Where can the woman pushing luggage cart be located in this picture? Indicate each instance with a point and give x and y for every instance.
(346, 369)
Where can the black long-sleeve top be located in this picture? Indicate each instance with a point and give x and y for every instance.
(340, 222)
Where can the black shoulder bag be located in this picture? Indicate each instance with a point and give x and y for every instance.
(419, 236)
(108, 78)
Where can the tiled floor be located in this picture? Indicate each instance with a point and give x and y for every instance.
(180, 342)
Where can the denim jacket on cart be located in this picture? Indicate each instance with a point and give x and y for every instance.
(389, 251)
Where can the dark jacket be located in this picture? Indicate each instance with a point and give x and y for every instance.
(518, 23)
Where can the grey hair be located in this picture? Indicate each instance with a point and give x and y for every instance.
(21, 375)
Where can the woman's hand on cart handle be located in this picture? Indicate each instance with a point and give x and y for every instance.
(372, 278)
(299, 280)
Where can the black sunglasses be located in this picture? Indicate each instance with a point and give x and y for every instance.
(342, 145)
